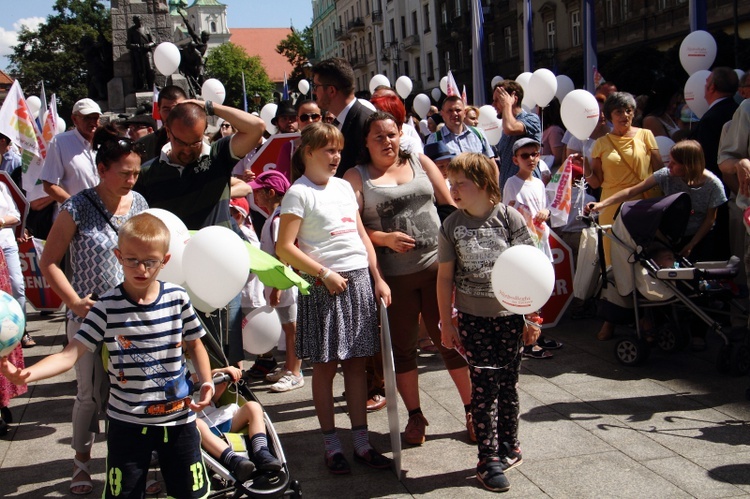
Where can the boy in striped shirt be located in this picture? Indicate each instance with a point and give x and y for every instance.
(145, 325)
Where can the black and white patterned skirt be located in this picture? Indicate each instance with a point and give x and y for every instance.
(338, 327)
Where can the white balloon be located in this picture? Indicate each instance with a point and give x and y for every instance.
(580, 113)
(496, 80)
(267, 113)
(697, 51)
(564, 86)
(522, 279)
(377, 81)
(421, 105)
(487, 113)
(404, 86)
(216, 265)
(261, 330)
(523, 80)
(542, 86)
(303, 86)
(423, 128)
(695, 92)
(60, 125)
(528, 104)
(213, 90)
(367, 104)
(197, 302)
(436, 93)
(493, 130)
(35, 104)
(665, 145)
(178, 238)
(444, 85)
(167, 58)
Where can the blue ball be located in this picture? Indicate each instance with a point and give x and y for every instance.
(12, 323)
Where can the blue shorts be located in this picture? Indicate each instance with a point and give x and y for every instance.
(129, 448)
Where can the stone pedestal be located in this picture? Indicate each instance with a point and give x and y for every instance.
(115, 95)
(180, 81)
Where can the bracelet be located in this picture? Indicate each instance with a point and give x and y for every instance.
(326, 275)
(209, 108)
(211, 384)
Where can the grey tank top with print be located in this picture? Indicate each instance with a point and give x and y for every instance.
(407, 208)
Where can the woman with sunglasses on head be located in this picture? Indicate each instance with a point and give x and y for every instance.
(87, 226)
(308, 113)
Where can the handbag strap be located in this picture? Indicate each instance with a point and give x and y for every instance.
(622, 157)
(101, 212)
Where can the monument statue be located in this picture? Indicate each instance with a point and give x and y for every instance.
(193, 57)
(140, 43)
(98, 56)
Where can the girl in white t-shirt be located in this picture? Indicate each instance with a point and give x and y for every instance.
(338, 321)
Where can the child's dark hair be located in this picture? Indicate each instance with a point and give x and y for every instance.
(480, 170)
(147, 228)
(364, 154)
(314, 136)
(111, 147)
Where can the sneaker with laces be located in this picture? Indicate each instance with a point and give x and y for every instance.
(512, 458)
(276, 374)
(288, 382)
(265, 461)
(490, 474)
(262, 366)
(414, 434)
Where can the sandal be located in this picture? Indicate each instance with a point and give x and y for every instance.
(373, 459)
(548, 343)
(86, 486)
(535, 352)
(427, 346)
(337, 464)
(153, 487)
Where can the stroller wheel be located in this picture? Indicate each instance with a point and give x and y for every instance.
(296, 490)
(739, 360)
(632, 351)
(670, 340)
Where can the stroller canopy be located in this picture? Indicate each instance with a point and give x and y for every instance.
(670, 214)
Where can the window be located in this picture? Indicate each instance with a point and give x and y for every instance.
(609, 12)
(491, 46)
(369, 43)
(575, 28)
(551, 35)
(403, 27)
(406, 68)
(458, 8)
(213, 26)
(461, 58)
(414, 24)
(382, 38)
(430, 67)
(393, 30)
(624, 9)
(418, 68)
(444, 14)
(661, 4)
(508, 41)
(447, 60)
(426, 14)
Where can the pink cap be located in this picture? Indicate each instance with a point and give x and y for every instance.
(271, 179)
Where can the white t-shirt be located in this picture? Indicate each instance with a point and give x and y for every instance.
(411, 142)
(529, 198)
(70, 163)
(252, 293)
(7, 209)
(268, 237)
(328, 233)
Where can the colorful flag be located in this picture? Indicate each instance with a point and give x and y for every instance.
(528, 37)
(589, 45)
(463, 94)
(477, 55)
(155, 107)
(244, 92)
(285, 90)
(452, 86)
(18, 124)
(49, 127)
(559, 194)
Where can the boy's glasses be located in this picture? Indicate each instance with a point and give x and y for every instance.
(527, 155)
(304, 118)
(133, 263)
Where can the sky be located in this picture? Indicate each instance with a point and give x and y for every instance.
(240, 14)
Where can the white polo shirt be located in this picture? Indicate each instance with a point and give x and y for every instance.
(70, 163)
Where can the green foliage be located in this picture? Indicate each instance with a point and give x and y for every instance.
(297, 47)
(227, 62)
(52, 54)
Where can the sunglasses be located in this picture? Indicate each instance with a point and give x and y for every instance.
(226, 125)
(304, 118)
(116, 147)
(133, 263)
(527, 155)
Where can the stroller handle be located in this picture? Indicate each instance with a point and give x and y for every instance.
(221, 378)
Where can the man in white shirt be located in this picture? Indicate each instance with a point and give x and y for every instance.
(70, 165)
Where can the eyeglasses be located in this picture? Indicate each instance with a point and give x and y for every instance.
(304, 118)
(527, 155)
(226, 125)
(133, 263)
(194, 145)
(316, 85)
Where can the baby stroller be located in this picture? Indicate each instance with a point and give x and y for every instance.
(263, 484)
(668, 294)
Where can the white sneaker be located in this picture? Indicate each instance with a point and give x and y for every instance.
(276, 374)
(288, 382)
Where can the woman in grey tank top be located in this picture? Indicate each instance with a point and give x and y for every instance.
(396, 193)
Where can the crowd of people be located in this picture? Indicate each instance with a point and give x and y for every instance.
(371, 213)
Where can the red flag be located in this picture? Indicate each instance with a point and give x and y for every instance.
(155, 107)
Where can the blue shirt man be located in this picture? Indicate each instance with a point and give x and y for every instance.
(10, 160)
(457, 136)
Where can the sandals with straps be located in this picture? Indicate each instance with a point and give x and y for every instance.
(87, 485)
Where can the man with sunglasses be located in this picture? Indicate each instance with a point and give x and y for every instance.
(333, 87)
(70, 166)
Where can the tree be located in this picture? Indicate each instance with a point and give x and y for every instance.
(53, 53)
(297, 47)
(227, 62)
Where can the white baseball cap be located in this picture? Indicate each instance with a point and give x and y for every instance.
(86, 106)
